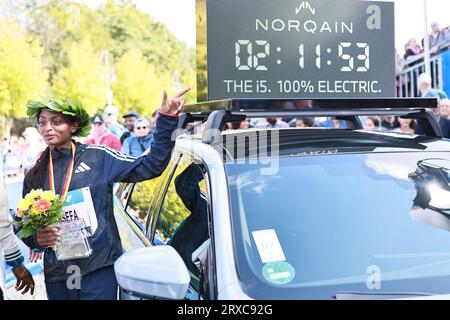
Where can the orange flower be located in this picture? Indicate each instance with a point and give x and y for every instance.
(42, 205)
(20, 213)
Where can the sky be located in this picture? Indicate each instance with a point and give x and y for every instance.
(179, 17)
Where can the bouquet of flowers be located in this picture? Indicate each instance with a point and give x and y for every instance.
(37, 210)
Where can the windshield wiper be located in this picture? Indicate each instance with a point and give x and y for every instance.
(378, 295)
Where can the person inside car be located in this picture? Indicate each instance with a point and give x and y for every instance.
(73, 166)
(193, 231)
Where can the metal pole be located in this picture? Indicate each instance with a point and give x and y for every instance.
(426, 39)
(440, 80)
(108, 74)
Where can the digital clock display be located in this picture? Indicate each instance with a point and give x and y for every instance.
(299, 49)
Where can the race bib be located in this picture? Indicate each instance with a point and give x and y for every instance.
(79, 206)
(77, 226)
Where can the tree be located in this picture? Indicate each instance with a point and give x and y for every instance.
(60, 23)
(73, 35)
(22, 76)
(81, 77)
(138, 86)
(173, 210)
(129, 28)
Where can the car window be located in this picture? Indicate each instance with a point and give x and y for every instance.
(172, 211)
(183, 221)
(156, 200)
(123, 193)
(144, 194)
(345, 223)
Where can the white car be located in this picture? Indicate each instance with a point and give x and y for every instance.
(293, 213)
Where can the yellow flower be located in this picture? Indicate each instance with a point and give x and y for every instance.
(25, 204)
(33, 212)
(34, 194)
(48, 195)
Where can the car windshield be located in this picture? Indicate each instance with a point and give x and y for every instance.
(362, 224)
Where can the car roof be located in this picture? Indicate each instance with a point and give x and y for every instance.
(323, 141)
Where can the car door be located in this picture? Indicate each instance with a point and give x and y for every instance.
(180, 218)
(132, 207)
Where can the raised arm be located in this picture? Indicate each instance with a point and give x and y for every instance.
(151, 165)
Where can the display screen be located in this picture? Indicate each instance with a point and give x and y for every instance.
(299, 49)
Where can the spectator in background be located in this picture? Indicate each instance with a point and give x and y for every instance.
(443, 122)
(101, 135)
(32, 146)
(111, 115)
(372, 124)
(413, 55)
(399, 63)
(12, 161)
(427, 91)
(302, 122)
(333, 123)
(437, 37)
(129, 119)
(244, 124)
(388, 123)
(407, 126)
(400, 82)
(142, 140)
(412, 51)
(273, 123)
(298, 104)
(447, 34)
(423, 83)
(306, 122)
(445, 108)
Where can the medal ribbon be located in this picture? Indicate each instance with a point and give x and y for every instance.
(69, 173)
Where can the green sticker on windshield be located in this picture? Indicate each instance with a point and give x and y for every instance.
(279, 272)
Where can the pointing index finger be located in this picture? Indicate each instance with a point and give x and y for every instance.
(182, 92)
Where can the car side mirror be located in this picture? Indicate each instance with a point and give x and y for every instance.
(153, 272)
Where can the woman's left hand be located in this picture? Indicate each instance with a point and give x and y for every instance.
(173, 106)
(24, 278)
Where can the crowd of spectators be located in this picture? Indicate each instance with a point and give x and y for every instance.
(409, 65)
(133, 137)
(19, 153)
(373, 123)
(381, 124)
(439, 40)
